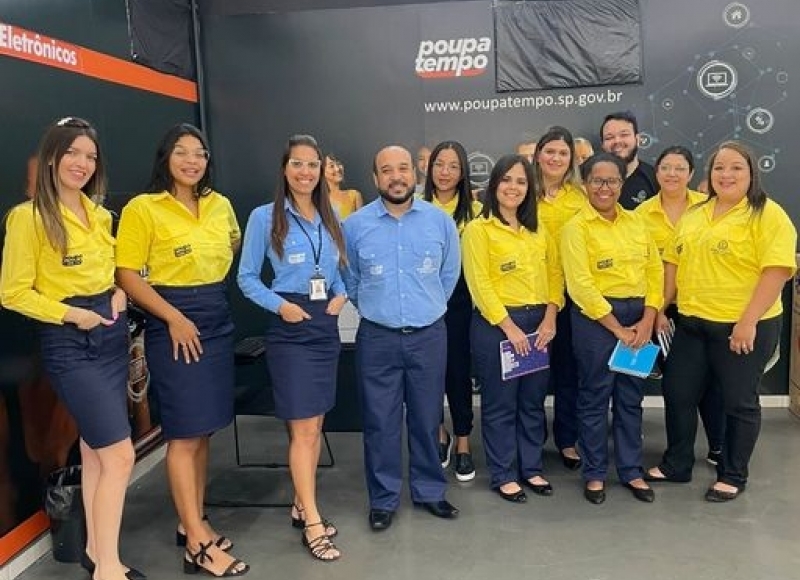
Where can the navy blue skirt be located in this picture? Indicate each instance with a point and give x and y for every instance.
(195, 399)
(89, 372)
(303, 359)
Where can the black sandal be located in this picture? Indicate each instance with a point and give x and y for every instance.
(320, 546)
(194, 564)
(223, 543)
(299, 523)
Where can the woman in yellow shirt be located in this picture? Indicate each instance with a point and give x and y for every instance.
(727, 265)
(447, 186)
(560, 197)
(674, 170)
(183, 235)
(345, 201)
(58, 268)
(512, 271)
(615, 277)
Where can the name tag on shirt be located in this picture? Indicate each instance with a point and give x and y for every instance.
(376, 270)
(508, 266)
(296, 258)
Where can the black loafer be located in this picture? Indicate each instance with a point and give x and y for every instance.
(440, 509)
(644, 494)
(513, 496)
(571, 463)
(595, 496)
(88, 565)
(544, 489)
(648, 477)
(719, 496)
(380, 520)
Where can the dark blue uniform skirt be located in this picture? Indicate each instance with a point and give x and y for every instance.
(302, 359)
(89, 372)
(194, 399)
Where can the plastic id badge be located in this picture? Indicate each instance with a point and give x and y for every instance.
(317, 288)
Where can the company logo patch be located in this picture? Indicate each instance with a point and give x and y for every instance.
(183, 250)
(454, 57)
(74, 260)
(605, 264)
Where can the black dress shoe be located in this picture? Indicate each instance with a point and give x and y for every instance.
(720, 496)
(440, 509)
(595, 496)
(571, 463)
(544, 489)
(650, 478)
(513, 496)
(88, 565)
(380, 519)
(646, 495)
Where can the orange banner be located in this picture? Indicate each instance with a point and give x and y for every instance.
(34, 47)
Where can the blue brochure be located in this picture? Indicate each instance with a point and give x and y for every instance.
(638, 363)
(515, 365)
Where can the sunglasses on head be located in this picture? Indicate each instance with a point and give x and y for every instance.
(73, 122)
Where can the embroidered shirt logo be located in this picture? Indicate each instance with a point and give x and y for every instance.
(508, 266)
(183, 250)
(74, 260)
(605, 264)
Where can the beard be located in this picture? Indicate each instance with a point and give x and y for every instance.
(630, 156)
(395, 199)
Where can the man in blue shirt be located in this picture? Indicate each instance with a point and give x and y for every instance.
(403, 263)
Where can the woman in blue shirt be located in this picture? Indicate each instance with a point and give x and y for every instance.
(299, 234)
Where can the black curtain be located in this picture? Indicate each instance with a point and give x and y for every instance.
(556, 44)
(161, 35)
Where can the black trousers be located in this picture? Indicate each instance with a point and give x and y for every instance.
(458, 378)
(700, 355)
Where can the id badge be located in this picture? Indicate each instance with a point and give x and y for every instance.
(317, 288)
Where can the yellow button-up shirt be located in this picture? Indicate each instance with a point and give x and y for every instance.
(610, 259)
(504, 267)
(35, 277)
(555, 212)
(158, 232)
(658, 222)
(720, 260)
(450, 208)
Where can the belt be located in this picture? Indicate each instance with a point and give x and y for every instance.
(401, 329)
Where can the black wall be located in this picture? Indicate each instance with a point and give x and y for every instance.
(347, 76)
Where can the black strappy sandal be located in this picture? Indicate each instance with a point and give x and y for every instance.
(195, 563)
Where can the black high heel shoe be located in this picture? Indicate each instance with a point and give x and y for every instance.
(88, 565)
(299, 523)
(221, 542)
(194, 564)
(571, 463)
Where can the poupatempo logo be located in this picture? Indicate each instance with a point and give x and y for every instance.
(454, 57)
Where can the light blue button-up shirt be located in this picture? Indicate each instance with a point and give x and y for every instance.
(293, 272)
(401, 271)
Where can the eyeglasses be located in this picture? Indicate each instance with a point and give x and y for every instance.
(197, 154)
(313, 165)
(73, 122)
(674, 168)
(451, 167)
(611, 183)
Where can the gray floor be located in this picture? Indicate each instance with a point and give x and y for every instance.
(680, 536)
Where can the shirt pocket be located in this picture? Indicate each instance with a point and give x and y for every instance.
(427, 257)
(296, 251)
(373, 265)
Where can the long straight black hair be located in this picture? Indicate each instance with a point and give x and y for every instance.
(526, 212)
(463, 212)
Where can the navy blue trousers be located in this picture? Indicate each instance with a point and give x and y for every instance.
(701, 356)
(597, 387)
(564, 381)
(394, 370)
(513, 420)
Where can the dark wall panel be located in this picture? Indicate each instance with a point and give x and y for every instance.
(713, 70)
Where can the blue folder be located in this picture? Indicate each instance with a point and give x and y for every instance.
(514, 365)
(638, 363)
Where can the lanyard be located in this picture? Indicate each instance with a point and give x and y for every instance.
(317, 252)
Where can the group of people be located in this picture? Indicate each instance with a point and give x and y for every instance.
(554, 258)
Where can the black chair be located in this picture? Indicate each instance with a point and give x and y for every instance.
(253, 397)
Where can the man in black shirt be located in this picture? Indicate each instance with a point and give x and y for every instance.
(619, 136)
